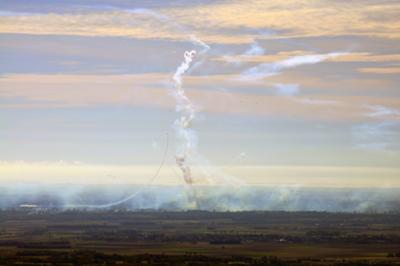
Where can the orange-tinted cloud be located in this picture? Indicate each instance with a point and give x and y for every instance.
(153, 90)
(221, 22)
(380, 70)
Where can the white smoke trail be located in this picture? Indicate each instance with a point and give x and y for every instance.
(182, 125)
(187, 147)
(187, 137)
(199, 42)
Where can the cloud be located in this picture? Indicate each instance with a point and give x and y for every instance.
(63, 172)
(311, 101)
(81, 173)
(137, 23)
(255, 49)
(286, 89)
(358, 57)
(259, 58)
(270, 69)
(382, 111)
(210, 21)
(60, 91)
(307, 59)
(290, 90)
(148, 12)
(293, 18)
(376, 136)
(368, 57)
(380, 70)
(152, 90)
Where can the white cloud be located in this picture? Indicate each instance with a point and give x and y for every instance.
(381, 111)
(255, 49)
(270, 69)
(316, 102)
(286, 89)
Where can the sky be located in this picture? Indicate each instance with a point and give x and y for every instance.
(299, 93)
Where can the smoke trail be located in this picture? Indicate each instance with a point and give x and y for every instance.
(199, 42)
(187, 137)
(184, 106)
(131, 196)
(187, 146)
(182, 125)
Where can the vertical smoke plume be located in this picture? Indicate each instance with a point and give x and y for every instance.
(186, 153)
(182, 125)
(186, 136)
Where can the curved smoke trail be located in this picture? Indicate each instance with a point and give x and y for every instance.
(131, 196)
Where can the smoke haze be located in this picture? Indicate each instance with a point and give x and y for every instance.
(218, 198)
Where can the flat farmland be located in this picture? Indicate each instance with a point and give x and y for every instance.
(48, 237)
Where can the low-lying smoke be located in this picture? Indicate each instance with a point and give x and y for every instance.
(207, 198)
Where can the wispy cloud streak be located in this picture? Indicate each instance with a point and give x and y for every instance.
(381, 111)
(270, 69)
